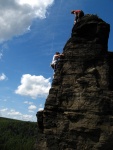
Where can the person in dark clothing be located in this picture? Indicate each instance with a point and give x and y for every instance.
(78, 15)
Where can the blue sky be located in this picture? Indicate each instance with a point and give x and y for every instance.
(31, 31)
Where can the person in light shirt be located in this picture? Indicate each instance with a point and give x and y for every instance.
(55, 59)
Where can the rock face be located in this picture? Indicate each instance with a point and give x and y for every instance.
(78, 113)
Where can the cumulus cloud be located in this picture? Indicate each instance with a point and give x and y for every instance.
(40, 109)
(2, 77)
(16, 16)
(27, 102)
(12, 113)
(4, 109)
(32, 107)
(33, 86)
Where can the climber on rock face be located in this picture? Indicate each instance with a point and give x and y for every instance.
(56, 57)
(55, 60)
(78, 15)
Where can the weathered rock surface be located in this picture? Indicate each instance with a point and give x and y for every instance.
(78, 113)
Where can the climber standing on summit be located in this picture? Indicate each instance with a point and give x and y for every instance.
(78, 15)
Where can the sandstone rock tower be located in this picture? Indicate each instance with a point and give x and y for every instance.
(78, 113)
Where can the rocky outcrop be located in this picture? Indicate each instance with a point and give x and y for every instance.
(78, 112)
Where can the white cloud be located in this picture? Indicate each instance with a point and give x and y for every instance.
(1, 54)
(11, 113)
(33, 86)
(2, 77)
(0, 114)
(29, 103)
(4, 109)
(40, 109)
(4, 47)
(16, 16)
(27, 117)
(32, 107)
(31, 111)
